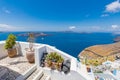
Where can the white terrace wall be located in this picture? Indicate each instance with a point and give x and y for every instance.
(64, 55)
(50, 49)
(56, 75)
(46, 48)
(39, 53)
(3, 52)
(22, 46)
(73, 69)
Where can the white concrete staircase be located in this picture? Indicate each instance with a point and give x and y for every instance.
(34, 73)
(38, 74)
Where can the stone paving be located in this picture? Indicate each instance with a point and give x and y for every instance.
(11, 68)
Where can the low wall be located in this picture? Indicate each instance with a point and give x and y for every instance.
(38, 54)
(64, 55)
(50, 49)
(20, 46)
(3, 52)
(46, 48)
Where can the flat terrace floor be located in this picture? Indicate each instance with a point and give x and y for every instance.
(11, 68)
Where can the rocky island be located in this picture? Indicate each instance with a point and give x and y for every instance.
(117, 39)
(36, 34)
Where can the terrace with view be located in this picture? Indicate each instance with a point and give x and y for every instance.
(18, 68)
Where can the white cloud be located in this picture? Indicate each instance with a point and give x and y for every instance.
(113, 7)
(72, 27)
(104, 15)
(115, 27)
(6, 27)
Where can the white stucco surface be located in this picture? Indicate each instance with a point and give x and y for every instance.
(3, 52)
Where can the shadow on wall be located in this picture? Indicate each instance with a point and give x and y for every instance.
(8, 74)
(3, 52)
(19, 50)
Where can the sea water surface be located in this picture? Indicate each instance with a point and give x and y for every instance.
(71, 43)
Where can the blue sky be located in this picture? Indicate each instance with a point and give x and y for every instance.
(60, 15)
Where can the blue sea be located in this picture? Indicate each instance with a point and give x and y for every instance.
(69, 42)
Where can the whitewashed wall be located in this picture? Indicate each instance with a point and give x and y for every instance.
(39, 53)
(21, 46)
(64, 55)
(50, 49)
(3, 52)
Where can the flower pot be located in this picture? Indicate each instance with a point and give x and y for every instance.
(30, 56)
(58, 66)
(53, 65)
(46, 63)
(12, 52)
(49, 63)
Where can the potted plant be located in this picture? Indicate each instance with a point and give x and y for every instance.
(48, 62)
(30, 51)
(10, 45)
(54, 61)
(59, 63)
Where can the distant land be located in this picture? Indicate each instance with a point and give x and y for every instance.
(117, 33)
(117, 39)
(76, 32)
(36, 34)
(1, 32)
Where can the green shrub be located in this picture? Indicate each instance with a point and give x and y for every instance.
(54, 57)
(10, 42)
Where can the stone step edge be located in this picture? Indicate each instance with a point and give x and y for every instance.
(27, 73)
(39, 75)
(48, 78)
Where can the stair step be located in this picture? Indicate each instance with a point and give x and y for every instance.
(38, 74)
(33, 75)
(43, 77)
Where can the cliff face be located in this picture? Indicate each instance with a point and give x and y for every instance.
(101, 51)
